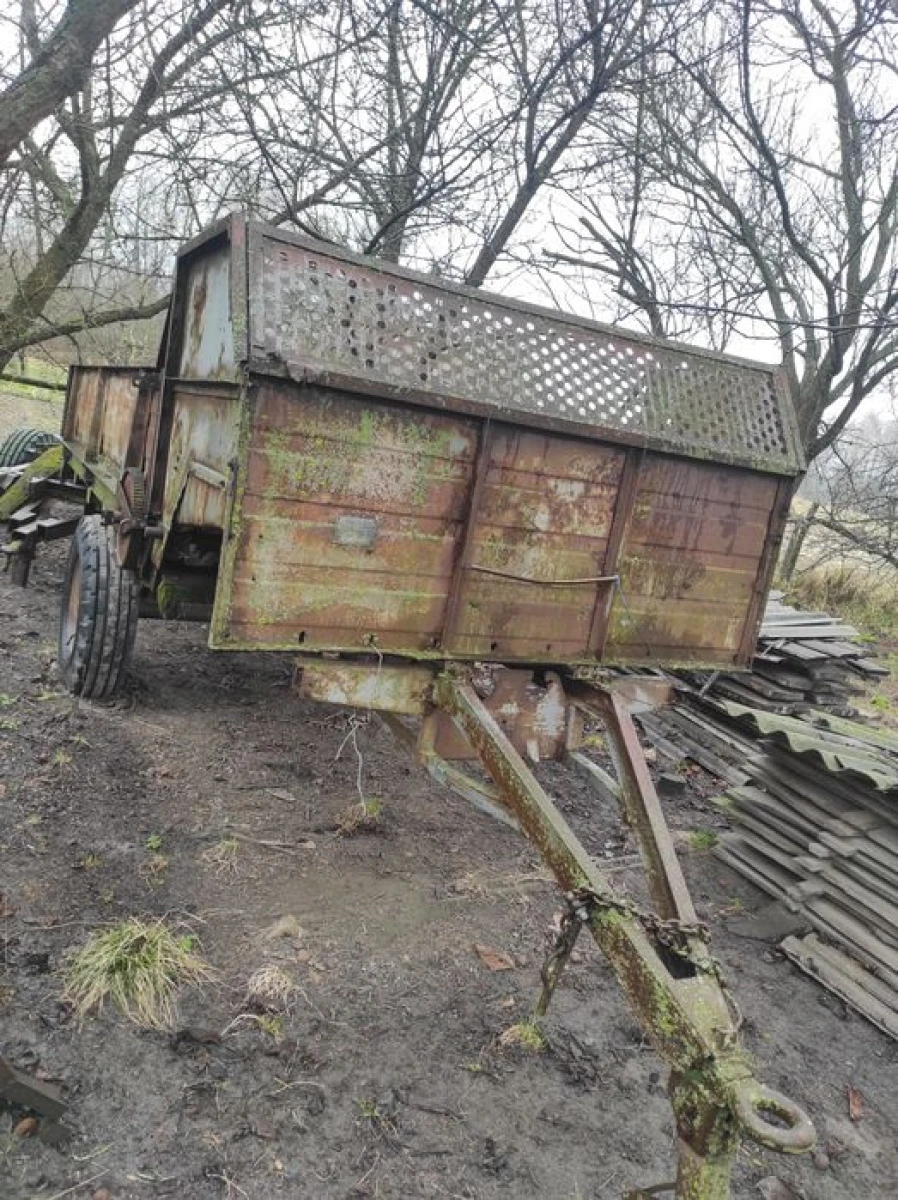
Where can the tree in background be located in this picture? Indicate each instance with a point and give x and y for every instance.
(60, 63)
(421, 132)
(137, 80)
(756, 193)
(430, 130)
(852, 494)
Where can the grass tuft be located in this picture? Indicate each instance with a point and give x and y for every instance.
(138, 966)
(271, 1024)
(527, 1035)
(359, 818)
(222, 856)
(271, 988)
(153, 869)
(702, 839)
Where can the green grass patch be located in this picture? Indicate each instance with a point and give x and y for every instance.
(138, 966)
(223, 855)
(866, 599)
(359, 818)
(525, 1034)
(40, 372)
(702, 839)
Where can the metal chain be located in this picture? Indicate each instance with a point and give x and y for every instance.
(675, 935)
(672, 933)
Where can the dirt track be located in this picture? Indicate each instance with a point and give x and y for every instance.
(385, 1078)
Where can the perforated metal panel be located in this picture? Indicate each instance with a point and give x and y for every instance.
(323, 312)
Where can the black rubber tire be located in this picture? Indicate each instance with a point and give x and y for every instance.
(98, 618)
(23, 445)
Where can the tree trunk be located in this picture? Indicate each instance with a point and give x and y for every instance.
(59, 69)
(793, 548)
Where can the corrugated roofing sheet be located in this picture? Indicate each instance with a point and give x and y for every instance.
(834, 744)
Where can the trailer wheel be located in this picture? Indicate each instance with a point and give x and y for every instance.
(98, 620)
(23, 445)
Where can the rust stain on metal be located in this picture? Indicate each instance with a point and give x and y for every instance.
(640, 803)
(470, 488)
(673, 986)
(544, 516)
(689, 561)
(319, 463)
(100, 411)
(532, 715)
(203, 442)
(404, 690)
(208, 337)
(483, 543)
(379, 329)
(360, 513)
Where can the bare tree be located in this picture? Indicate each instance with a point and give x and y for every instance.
(145, 81)
(417, 131)
(375, 144)
(429, 137)
(853, 489)
(60, 63)
(562, 62)
(757, 194)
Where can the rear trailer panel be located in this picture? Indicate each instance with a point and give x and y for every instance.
(319, 311)
(360, 524)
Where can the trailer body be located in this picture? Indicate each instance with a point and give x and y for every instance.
(358, 457)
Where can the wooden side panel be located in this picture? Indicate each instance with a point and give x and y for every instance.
(544, 517)
(362, 523)
(351, 515)
(81, 404)
(99, 414)
(689, 561)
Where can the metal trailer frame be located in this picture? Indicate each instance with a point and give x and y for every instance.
(661, 959)
(120, 459)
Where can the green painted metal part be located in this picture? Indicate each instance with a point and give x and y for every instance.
(48, 463)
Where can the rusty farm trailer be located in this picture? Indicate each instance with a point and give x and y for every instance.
(457, 510)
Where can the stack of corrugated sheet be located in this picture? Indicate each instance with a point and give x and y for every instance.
(804, 660)
(812, 796)
(814, 805)
(817, 827)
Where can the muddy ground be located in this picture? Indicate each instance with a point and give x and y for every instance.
(385, 1077)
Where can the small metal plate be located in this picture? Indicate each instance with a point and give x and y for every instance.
(355, 531)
